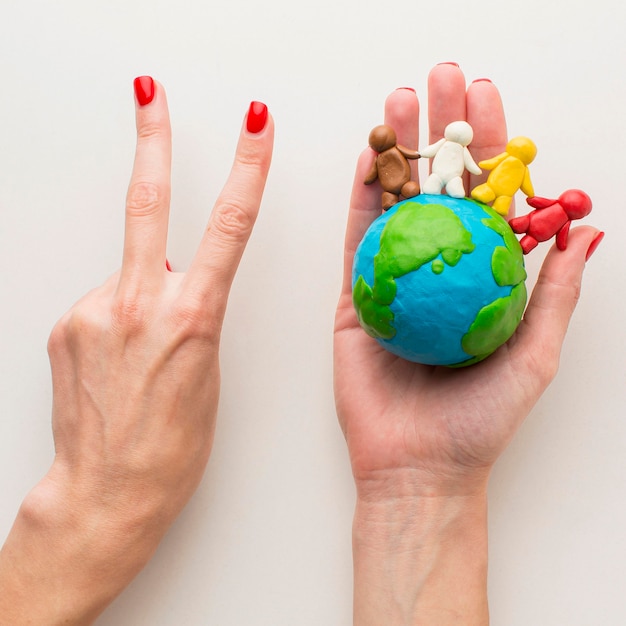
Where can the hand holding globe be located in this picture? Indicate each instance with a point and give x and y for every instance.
(422, 439)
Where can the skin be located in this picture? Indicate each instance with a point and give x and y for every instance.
(422, 440)
(136, 383)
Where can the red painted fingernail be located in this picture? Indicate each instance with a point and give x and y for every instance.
(144, 89)
(168, 267)
(257, 117)
(449, 63)
(482, 80)
(594, 245)
(408, 88)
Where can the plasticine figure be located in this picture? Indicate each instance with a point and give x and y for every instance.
(551, 217)
(451, 159)
(509, 172)
(391, 166)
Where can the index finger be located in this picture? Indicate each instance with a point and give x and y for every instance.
(148, 198)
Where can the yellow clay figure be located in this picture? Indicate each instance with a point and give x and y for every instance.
(509, 172)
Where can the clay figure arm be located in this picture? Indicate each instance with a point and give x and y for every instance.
(470, 164)
(527, 186)
(562, 235)
(422, 441)
(135, 378)
(430, 151)
(408, 153)
(537, 202)
(520, 224)
(372, 175)
(490, 164)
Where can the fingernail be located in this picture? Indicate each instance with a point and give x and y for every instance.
(408, 88)
(144, 90)
(482, 80)
(257, 117)
(449, 63)
(168, 267)
(594, 245)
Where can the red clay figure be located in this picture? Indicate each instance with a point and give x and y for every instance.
(550, 218)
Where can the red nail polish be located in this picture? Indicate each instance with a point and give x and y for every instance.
(144, 89)
(168, 267)
(482, 80)
(594, 245)
(409, 88)
(449, 63)
(257, 117)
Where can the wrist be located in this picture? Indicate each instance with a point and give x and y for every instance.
(410, 483)
(421, 559)
(66, 558)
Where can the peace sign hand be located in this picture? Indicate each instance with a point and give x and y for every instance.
(136, 382)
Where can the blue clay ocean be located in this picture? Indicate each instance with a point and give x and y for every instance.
(440, 280)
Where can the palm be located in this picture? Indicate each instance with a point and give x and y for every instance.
(401, 415)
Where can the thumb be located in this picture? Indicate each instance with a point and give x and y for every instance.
(554, 298)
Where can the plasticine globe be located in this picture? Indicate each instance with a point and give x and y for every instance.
(439, 280)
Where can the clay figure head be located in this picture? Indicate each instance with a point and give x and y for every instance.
(382, 138)
(522, 148)
(575, 203)
(459, 132)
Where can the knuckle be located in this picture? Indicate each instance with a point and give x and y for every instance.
(232, 219)
(59, 335)
(550, 369)
(250, 157)
(150, 129)
(97, 318)
(546, 372)
(564, 294)
(544, 366)
(193, 318)
(81, 322)
(128, 315)
(575, 293)
(145, 198)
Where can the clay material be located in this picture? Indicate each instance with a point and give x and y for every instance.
(551, 218)
(391, 167)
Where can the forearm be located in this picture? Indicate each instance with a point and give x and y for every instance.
(421, 561)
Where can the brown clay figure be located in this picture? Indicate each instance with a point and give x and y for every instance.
(391, 166)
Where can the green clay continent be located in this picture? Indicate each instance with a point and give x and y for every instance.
(496, 322)
(415, 235)
(507, 263)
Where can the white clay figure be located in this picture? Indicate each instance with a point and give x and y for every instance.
(451, 159)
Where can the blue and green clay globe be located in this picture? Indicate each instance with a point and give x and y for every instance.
(439, 280)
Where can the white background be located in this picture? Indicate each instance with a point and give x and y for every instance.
(266, 539)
